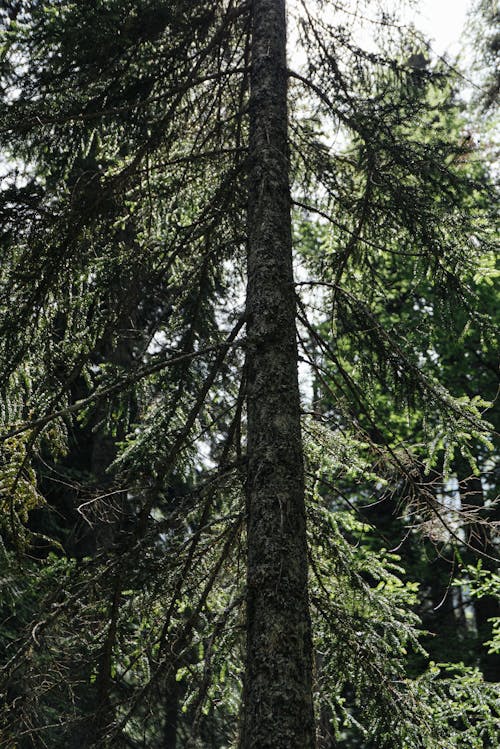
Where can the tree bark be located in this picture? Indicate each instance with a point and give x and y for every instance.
(278, 693)
(171, 711)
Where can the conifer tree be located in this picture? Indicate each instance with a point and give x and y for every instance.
(156, 149)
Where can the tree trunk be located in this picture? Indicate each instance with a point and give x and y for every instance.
(171, 711)
(278, 694)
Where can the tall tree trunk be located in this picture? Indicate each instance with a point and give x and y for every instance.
(278, 694)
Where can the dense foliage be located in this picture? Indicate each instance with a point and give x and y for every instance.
(123, 238)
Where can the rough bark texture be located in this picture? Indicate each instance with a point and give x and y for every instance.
(278, 701)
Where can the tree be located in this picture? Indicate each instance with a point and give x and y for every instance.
(258, 317)
(484, 39)
(278, 687)
(155, 158)
(420, 326)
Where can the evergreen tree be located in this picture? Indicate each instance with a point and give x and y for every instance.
(154, 150)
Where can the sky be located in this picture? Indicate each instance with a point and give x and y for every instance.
(443, 21)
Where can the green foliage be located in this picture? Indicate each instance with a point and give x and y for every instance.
(19, 493)
(367, 631)
(123, 129)
(482, 583)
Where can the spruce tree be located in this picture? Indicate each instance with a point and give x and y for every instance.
(156, 149)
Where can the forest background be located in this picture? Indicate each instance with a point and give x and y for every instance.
(196, 551)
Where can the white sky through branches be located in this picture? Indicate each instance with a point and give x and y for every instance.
(443, 21)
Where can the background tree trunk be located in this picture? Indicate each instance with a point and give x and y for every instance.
(278, 696)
